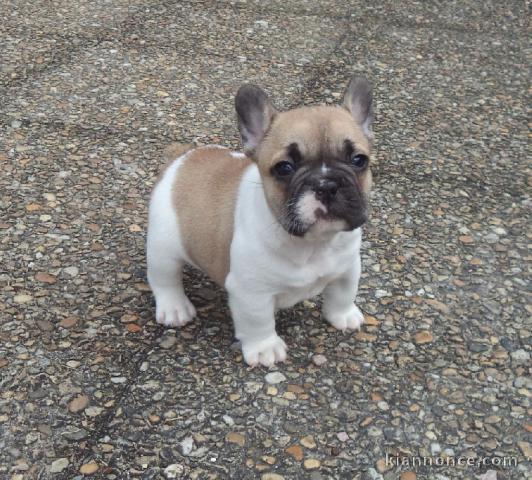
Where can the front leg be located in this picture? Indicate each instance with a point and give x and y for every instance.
(339, 300)
(254, 320)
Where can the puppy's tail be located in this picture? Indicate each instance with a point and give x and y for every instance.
(174, 150)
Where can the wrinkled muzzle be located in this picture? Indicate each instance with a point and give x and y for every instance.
(331, 199)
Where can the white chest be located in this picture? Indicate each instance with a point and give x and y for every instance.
(306, 280)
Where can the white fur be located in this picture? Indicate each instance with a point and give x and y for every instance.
(269, 269)
(166, 254)
(306, 207)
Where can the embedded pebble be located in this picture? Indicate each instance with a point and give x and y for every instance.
(59, 465)
(274, 378)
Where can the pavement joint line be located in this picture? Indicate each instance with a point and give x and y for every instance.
(102, 425)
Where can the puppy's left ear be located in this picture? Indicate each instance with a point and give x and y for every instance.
(358, 99)
(255, 114)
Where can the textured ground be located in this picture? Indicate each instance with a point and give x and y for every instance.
(92, 91)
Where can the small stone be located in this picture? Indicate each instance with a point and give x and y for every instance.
(68, 322)
(45, 325)
(271, 390)
(186, 446)
(135, 228)
(33, 207)
(342, 436)
(59, 465)
(365, 337)
(319, 360)
(466, 239)
(477, 347)
(173, 471)
(129, 318)
(50, 197)
(228, 420)
(370, 320)
(440, 306)
(154, 418)
(72, 271)
(382, 405)
(234, 437)
(408, 475)
(520, 355)
(372, 474)
(45, 278)
(93, 411)
(488, 475)
(311, 464)
(295, 451)
(168, 342)
(526, 448)
(382, 465)
(89, 468)
(77, 434)
(422, 337)
(206, 293)
(381, 293)
(435, 448)
(308, 442)
(22, 298)
(78, 404)
(274, 378)
(271, 476)
(252, 387)
(133, 328)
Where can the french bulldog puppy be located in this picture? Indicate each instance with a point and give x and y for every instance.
(275, 225)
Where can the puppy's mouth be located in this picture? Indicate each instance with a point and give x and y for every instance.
(310, 211)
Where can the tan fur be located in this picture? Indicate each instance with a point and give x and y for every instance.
(313, 129)
(171, 152)
(205, 195)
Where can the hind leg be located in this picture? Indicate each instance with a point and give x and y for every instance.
(166, 257)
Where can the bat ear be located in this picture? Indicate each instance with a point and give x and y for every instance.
(255, 113)
(358, 99)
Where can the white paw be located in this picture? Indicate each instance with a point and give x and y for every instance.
(351, 319)
(174, 310)
(264, 352)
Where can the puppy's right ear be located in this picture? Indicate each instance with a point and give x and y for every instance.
(255, 114)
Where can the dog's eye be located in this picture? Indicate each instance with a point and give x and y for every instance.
(359, 160)
(283, 169)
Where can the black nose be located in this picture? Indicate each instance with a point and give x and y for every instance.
(326, 190)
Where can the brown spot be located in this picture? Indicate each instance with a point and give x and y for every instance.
(45, 277)
(205, 196)
(234, 437)
(68, 322)
(295, 451)
(78, 404)
(423, 337)
(133, 328)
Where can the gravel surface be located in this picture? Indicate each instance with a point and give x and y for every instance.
(91, 93)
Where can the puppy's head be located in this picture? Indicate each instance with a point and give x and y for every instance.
(314, 161)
